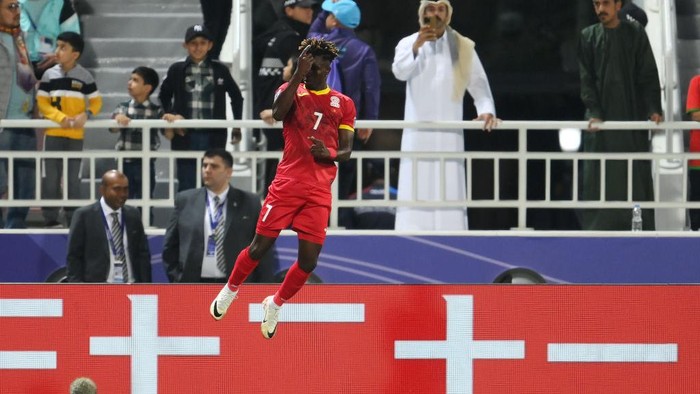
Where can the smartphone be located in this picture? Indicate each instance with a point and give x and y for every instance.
(430, 21)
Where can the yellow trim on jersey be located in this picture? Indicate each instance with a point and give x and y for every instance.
(326, 91)
(320, 92)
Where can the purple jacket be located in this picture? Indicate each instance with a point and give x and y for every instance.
(358, 66)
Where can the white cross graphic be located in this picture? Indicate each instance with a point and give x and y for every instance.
(612, 352)
(459, 349)
(144, 345)
(313, 313)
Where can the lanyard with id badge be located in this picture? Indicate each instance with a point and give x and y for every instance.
(216, 214)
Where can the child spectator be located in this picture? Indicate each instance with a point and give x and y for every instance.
(62, 95)
(143, 82)
(196, 89)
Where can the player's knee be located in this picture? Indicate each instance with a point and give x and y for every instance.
(260, 246)
(307, 265)
(256, 251)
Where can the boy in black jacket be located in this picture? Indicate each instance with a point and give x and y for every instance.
(196, 89)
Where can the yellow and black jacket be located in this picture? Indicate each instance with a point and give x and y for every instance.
(63, 94)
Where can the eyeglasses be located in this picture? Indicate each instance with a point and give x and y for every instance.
(13, 7)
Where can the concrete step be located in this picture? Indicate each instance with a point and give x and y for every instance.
(96, 48)
(688, 27)
(91, 7)
(114, 79)
(165, 24)
(131, 62)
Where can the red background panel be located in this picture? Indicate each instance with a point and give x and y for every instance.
(359, 357)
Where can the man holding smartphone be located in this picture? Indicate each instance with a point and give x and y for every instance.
(438, 65)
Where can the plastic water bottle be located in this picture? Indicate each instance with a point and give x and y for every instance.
(636, 218)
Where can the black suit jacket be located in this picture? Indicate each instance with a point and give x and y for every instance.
(88, 248)
(183, 247)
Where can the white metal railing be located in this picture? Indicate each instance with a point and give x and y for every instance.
(246, 165)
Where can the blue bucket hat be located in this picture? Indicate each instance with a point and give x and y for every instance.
(345, 11)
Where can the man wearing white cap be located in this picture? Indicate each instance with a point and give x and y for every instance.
(438, 65)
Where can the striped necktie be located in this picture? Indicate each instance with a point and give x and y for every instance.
(120, 255)
(219, 234)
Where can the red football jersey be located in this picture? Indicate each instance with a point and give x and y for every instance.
(319, 114)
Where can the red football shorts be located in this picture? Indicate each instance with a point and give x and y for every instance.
(290, 203)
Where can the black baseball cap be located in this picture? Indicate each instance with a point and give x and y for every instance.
(300, 3)
(197, 31)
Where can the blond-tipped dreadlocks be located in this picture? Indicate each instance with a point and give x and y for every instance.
(320, 47)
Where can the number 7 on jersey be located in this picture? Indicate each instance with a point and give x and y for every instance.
(319, 116)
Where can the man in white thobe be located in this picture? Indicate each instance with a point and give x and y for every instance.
(439, 65)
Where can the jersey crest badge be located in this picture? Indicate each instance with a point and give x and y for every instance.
(335, 101)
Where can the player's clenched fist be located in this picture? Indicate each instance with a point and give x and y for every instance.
(318, 149)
